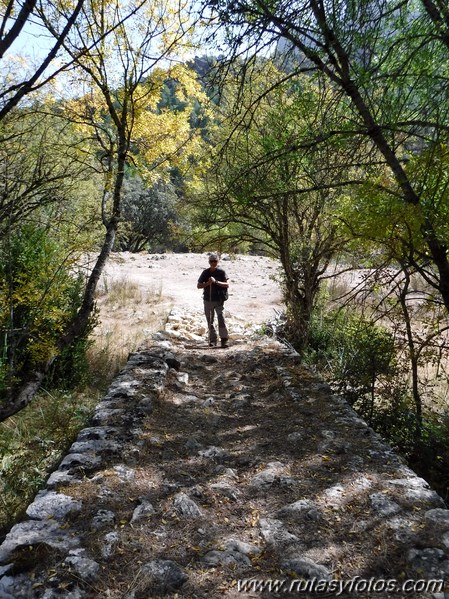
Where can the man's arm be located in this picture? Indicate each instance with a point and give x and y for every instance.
(203, 285)
(203, 281)
(223, 284)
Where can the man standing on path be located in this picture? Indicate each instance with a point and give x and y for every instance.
(215, 284)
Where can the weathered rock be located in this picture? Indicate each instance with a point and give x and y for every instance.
(225, 489)
(275, 533)
(15, 587)
(182, 400)
(101, 446)
(103, 519)
(306, 568)
(74, 593)
(105, 416)
(85, 568)
(94, 433)
(226, 558)
(214, 453)
(287, 481)
(162, 577)
(335, 495)
(268, 476)
(49, 504)
(143, 511)
(59, 478)
(128, 387)
(429, 563)
(186, 507)
(403, 530)
(263, 479)
(110, 542)
(182, 377)
(445, 539)
(75, 463)
(242, 547)
(207, 403)
(37, 532)
(146, 405)
(193, 445)
(383, 505)
(438, 516)
(415, 492)
(299, 508)
(124, 473)
(241, 401)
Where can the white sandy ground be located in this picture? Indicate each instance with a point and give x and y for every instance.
(254, 294)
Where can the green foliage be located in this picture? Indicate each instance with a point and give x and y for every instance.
(71, 367)
(393, 416)
(39, 296)
(43, 169)
(377, 219)
(362, 362)
(428, 456)
(232, 238)
(378, 224)
(149, 215)
(269, 189)
(388, 70)
(429, 170)
(355, 352)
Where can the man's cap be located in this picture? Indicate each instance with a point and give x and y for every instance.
(213, 257)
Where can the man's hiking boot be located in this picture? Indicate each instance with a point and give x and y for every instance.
(212, 344)
(224, 343)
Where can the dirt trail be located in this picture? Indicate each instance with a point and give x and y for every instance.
(219, 466)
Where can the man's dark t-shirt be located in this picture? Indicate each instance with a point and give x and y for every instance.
(214, 293)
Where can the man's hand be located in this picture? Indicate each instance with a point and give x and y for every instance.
(212, 280)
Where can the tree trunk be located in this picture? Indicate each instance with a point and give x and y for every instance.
(413, 355)
(24, 88)
(440, 17)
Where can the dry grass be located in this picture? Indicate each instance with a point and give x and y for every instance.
(127, 315)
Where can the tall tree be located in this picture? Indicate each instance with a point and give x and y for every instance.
(282, 193)
(148, 214)
(389, 62)
(118, 84)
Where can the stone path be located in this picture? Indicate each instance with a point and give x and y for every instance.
(230, 473)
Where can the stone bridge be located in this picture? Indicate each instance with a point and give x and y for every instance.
(227, 473)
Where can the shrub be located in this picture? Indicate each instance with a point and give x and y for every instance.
(353, 350)
(361, 361)
(32, 443)
(38, 297)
